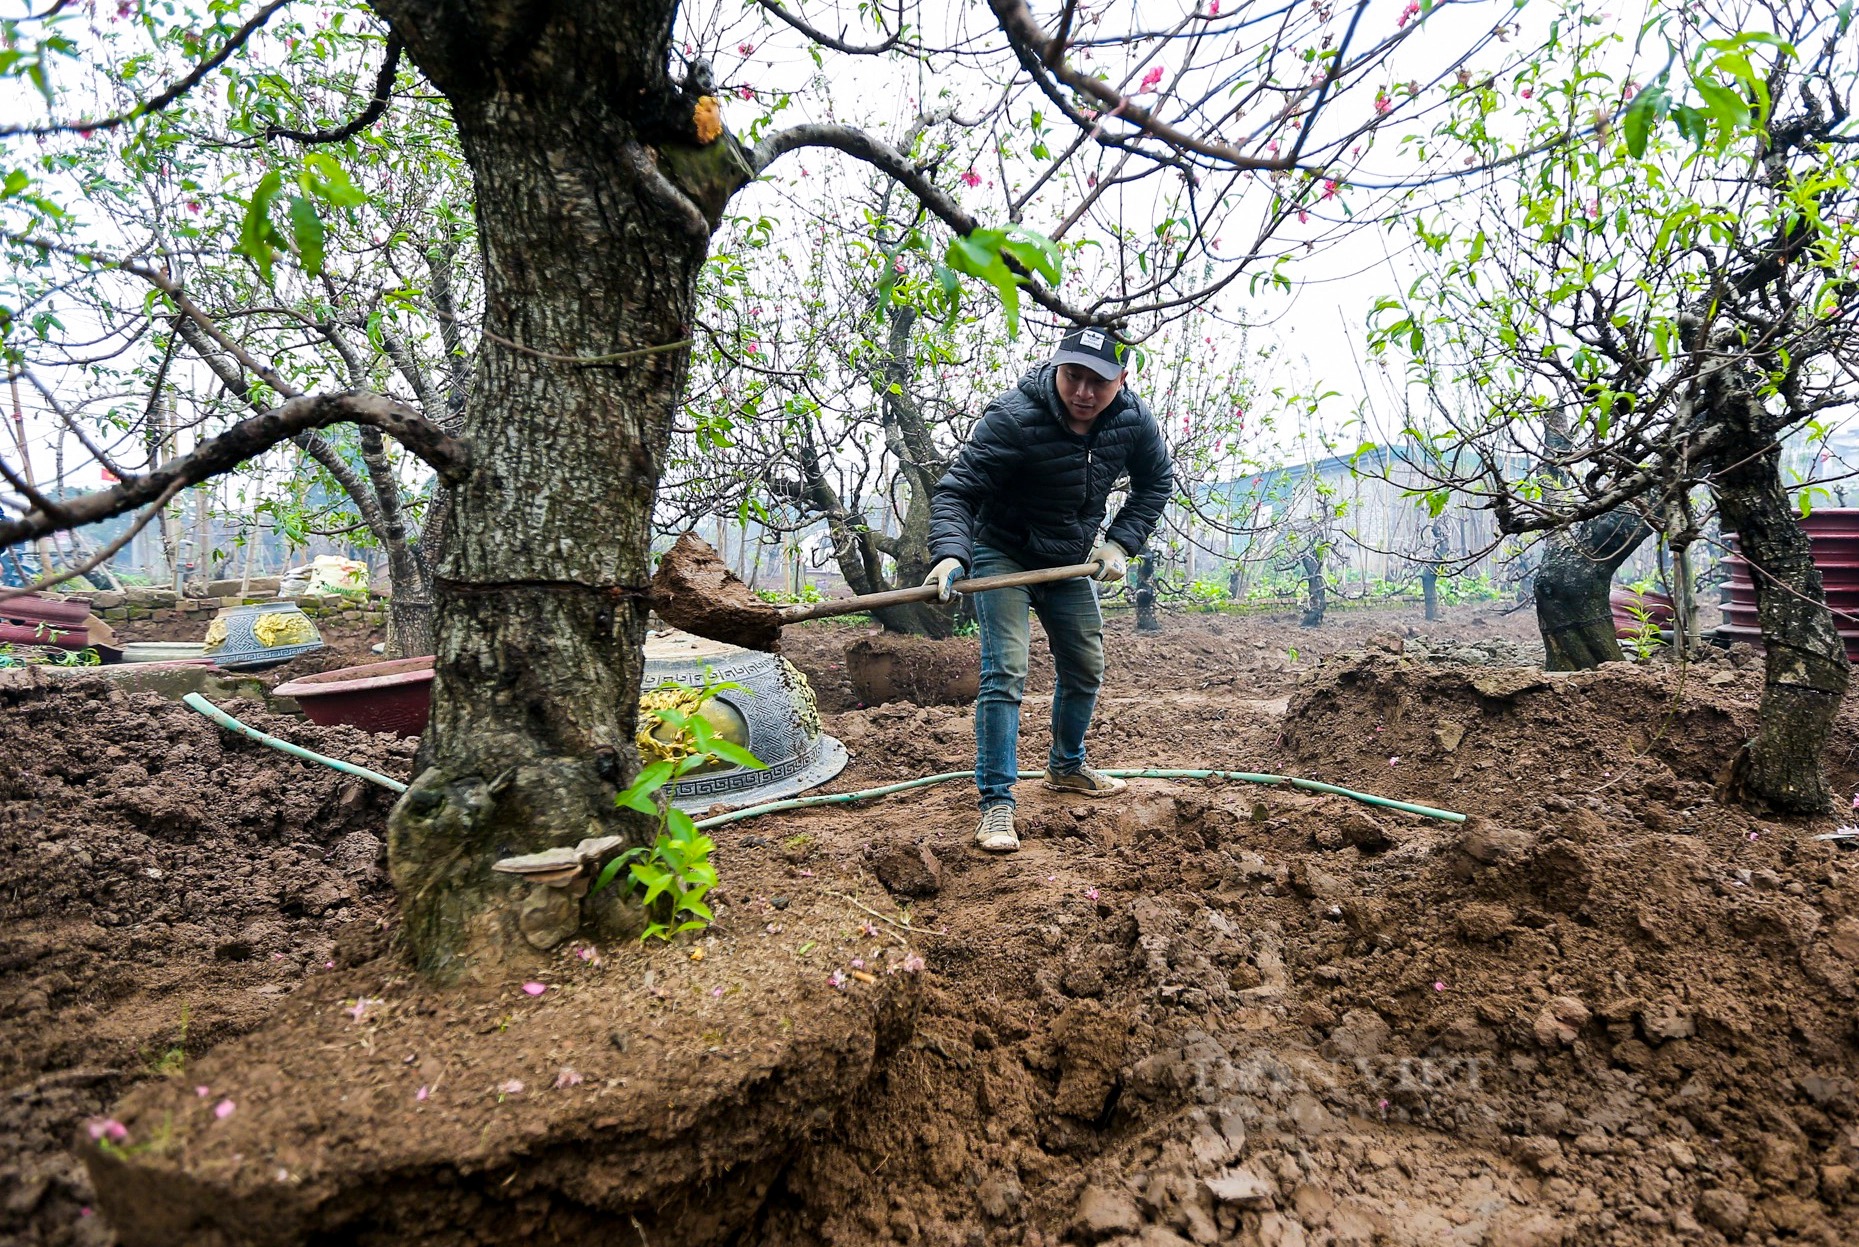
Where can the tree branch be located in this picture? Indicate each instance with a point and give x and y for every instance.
(1024, 33)
(103, 555)
(310, 442)
(827, 41)
(447, 455)
(167, 97)
(893, 163)
(377, 104)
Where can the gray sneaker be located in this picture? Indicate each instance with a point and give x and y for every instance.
(1085, 781)
(996, 833)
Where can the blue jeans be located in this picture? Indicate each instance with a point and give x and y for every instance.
(1074, 629)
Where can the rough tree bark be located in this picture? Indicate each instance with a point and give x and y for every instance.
(409, 604)
(596, 199)
(1315, 595)
(1435, 533)
(1806, 673)
(1142, 586)
(1572, 584)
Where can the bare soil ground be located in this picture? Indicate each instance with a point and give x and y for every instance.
(1608, 1009)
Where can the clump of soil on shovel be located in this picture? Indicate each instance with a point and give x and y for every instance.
(887, 668)
(695, 590)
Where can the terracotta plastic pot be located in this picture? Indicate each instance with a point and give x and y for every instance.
(33, 608)
(1660, 611)
(42, 634)
(394, 696)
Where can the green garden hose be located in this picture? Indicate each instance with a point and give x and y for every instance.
(1250, 777)
(195, 701)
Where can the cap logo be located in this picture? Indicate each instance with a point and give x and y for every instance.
(1092, 339)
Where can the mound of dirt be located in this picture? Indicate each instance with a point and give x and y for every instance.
(162, 886)
(652, 1090)
(695, 590)
(1606, 1009)
(887, 667)
(1593, 1014)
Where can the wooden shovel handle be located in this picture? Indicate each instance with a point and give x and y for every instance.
(925, 593)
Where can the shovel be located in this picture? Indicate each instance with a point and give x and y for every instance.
(695, 590)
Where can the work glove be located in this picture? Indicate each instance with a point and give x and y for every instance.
(943, 577)
(1113, 562)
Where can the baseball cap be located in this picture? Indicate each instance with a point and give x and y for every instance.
(1096, 349)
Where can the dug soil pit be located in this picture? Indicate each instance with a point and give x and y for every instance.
(1607, 1009)
(887, 667)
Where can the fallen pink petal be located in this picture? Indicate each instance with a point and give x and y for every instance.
(513, 1087)
(422, 1093)
(535, 989)
(224, 1109)
(567, 1078)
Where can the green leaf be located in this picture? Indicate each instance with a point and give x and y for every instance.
(256, 231)
(979, 255)
(638, 794)
(1035, 252)
(330, 183)
(1647, 107)
(656, 879)
(729, 751)
(611, 870)
(307, 229)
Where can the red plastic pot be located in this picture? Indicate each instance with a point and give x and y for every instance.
(393, 696)
(1657, 606)
(1833, 536)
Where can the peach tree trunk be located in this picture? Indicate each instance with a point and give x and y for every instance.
(1805, 672)
(595, 204)
(1573, 584)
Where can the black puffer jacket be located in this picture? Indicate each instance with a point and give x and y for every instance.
(1026, 484)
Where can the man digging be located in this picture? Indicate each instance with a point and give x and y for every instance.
(1029, 491)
